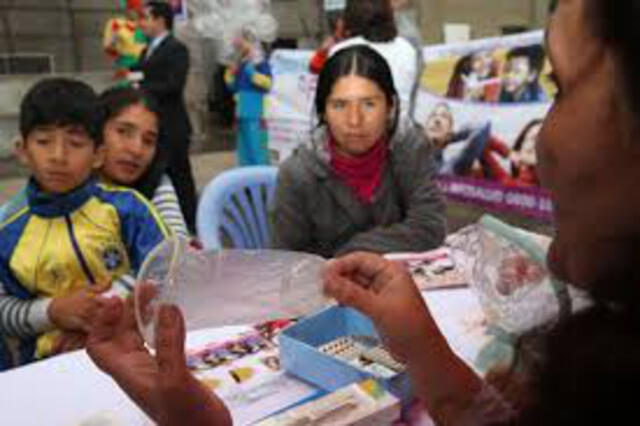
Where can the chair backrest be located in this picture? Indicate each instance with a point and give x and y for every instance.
(4, 211)
(234, 205)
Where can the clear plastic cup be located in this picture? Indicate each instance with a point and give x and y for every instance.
(226, 287)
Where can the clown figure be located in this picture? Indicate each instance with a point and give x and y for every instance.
(249, 78)
(123, 39)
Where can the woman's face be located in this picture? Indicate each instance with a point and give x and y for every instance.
(130, 140)
(583, 157)
(357, 113)
(518, 74)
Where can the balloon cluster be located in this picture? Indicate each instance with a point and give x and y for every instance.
(227, 21)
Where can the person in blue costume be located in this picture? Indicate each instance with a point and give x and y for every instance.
(69, 239)
(250, 79)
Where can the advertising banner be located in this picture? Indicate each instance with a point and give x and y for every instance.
(482, 103)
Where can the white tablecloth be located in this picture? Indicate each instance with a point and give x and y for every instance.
(69, 390)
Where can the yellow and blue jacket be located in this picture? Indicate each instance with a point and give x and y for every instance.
(58, 243)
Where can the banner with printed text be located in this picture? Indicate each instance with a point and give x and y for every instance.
(480, 102)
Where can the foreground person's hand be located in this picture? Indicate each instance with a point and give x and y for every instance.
(162, 385)
(385, 292)
(73, 312)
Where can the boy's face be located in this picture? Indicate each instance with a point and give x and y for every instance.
(518, 74)
(60, 158)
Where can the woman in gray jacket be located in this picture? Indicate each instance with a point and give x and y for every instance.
(361, 182)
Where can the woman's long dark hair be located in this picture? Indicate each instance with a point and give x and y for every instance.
(116, 100)
(520, 140)
(361, 61)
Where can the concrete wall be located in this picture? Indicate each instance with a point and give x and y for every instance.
(70, 31)
(14, 88)
(486, 17)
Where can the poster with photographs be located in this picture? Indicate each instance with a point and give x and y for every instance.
(482, 103)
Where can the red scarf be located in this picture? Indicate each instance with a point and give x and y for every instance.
(362, 174)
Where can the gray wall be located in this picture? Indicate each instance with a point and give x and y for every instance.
(71, 30)
(486, 17)
(14, 88)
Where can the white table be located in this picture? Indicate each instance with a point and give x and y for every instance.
(68, 390)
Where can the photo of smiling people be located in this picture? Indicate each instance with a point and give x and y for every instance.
(521, 75)
(476, 78)
(468, 151)
(523, 157)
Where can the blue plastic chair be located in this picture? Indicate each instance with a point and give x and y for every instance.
(4, 211)
(233, 208)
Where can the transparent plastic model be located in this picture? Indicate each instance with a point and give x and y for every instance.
(226, 287)
(507, 270)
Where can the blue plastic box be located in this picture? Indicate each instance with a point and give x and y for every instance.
(300, 357)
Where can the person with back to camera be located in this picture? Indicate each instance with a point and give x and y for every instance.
(588, 156)
(320, 56)
(361, 182)
(372, 23)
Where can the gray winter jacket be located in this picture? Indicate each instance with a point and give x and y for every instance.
(315, 212)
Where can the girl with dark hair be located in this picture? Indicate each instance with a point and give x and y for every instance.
(132, 157)
(523, 156)
(372, 23)
(362, 182)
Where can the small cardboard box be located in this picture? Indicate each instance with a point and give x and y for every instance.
(300, 356)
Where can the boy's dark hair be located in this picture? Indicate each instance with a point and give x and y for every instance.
(362, 61)
(117, 99)
(534, 53)
(371, 19)
(159, 9)
(61, 102)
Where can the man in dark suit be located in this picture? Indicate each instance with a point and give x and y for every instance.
(164, 65)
